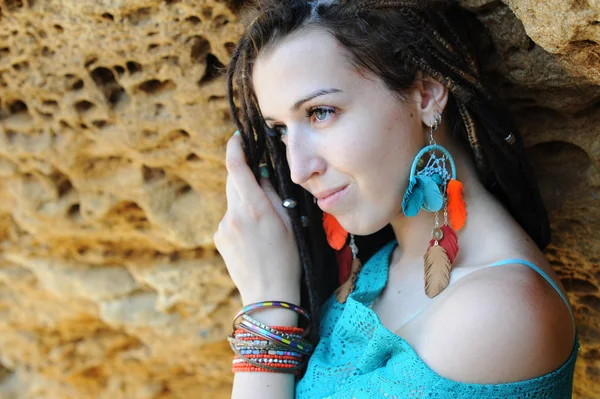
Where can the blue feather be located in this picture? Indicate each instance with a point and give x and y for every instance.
(432, 197)
(413, 198)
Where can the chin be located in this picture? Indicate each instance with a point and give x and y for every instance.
(362, 226)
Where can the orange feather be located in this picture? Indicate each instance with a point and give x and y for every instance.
(336, 235)
(457, 209)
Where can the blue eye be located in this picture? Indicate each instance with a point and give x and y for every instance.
(320, 113)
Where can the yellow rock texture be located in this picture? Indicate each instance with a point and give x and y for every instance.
(112, 130)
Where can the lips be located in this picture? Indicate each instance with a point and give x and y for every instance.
(327, 193)
(330, 199)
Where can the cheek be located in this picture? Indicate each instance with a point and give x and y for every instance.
(385, 157)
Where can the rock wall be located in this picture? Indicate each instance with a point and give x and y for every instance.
(112, 130)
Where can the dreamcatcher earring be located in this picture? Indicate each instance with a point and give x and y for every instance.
(346, 254)
(434, 188)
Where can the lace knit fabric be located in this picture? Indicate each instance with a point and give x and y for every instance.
(358, 358)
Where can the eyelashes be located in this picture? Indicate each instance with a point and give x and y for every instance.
(318, 115)
(320, 110)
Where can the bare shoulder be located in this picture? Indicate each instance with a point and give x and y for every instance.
(498, 325)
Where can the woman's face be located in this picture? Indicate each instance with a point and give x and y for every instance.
(342, 129)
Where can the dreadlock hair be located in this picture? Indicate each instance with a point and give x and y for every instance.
(394, 39)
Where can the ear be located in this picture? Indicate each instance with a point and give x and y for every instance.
(432, 97)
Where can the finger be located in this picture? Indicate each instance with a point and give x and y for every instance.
(276, 201)
(242, 177)
(233, 199)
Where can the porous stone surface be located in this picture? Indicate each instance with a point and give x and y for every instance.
(570, 29)
(112, 131)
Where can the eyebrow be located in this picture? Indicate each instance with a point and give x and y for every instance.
(316, 94)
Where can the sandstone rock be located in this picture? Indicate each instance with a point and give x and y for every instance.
(571, 29)
(555, 25)
(113, 123)
(527, 75)
(78, 281)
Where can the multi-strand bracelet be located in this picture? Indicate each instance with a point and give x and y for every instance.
(258, 347)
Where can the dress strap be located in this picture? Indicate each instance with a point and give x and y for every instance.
(544, 275)
(512, 261)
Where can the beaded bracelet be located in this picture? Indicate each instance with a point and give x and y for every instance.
(255, 340)
(283, 329)
(268, 359)
(266, 363)
(262, 345)
(280, 333)
(244, 361)
(303, 347)
(259, 347)
(273, 365)
(279, 342)
(254, 369)
(270, 353)
(267, 332)
(246, 336)
(258, 344)
(275, 304)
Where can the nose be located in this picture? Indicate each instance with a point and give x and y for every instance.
(303, 156)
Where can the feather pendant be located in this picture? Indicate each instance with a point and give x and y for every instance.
(413, 198)
(437, 270)
(449, 242)
(342, 292)
(336, 235)
(457, 209)
(433, 200)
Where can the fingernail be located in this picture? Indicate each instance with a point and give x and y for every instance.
(264, 171)
(237, 133)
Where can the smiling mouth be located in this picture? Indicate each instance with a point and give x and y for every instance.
(326, 194)
(327, 203)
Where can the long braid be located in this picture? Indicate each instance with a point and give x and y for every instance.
(413, 14)
(443, 45)
(247, 106)
(282, 174)
(244, 120)
(240, 49)
(472, 135)
(463, 51)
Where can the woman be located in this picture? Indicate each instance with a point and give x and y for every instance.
(370, 118)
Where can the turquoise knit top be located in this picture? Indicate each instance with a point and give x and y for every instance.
(358, 358)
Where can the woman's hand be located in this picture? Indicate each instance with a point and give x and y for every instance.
(255, 236)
